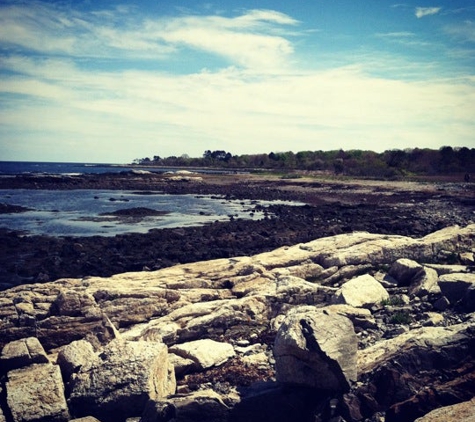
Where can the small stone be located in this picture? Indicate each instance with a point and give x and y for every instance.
(433, 319)
(204, 353)
(363, 291)
(467, 258)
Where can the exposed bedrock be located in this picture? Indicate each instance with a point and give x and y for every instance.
(355, 326)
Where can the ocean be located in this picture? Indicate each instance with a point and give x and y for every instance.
(90, 212)
(31, 167)
(24, 167)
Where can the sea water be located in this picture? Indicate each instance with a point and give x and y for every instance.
(88, 212)
(25, 167)
(31, 167)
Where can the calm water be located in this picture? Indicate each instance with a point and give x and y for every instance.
(81, 212)
(25, 167)
(22, 167)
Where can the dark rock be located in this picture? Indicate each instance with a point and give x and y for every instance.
(158, 411)
(136, 212)
(455, 286)
(280, 404)
(12, 209)
(467, 303)
(441, 304)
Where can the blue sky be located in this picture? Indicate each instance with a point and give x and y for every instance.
(111, 81)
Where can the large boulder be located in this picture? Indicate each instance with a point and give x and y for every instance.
(363, 291)
(118, 383)
(316, 349)
(36, 393)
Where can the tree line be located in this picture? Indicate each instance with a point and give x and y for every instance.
(388, 164)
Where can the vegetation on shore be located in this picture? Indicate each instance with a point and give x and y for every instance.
(388, 164)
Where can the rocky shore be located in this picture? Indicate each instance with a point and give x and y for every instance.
(358, 306)
(332, 207)
(356, 326)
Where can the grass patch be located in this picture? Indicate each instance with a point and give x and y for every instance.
(401, 317)
(392, 301)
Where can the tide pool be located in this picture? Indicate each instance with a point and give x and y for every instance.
(88, 212)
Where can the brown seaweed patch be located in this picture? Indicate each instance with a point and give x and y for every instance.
(13, 209)
(136, 212)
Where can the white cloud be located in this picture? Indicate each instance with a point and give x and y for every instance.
(407, 39)
(403, 34)
(426, 11)
(257, 17)
(252, 39)
(244, 40)
(35, 28)
(139, 113)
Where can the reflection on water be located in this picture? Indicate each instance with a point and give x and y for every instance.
(86, 212)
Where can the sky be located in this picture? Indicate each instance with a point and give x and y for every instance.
(111, 81)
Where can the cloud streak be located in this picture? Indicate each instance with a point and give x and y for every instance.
(464, 31)
(234, 39)
(249, 40)
(426, 11)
